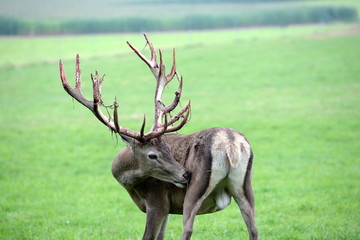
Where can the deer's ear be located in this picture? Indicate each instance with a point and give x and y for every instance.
(128, 140)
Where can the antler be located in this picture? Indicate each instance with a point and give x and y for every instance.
(161, 110)
(162, 79)
(94, 106)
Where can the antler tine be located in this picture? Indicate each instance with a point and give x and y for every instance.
(142, 128)
(170, 76)
(151, 63)
(116, 117)
(161, 82)
(97, 83)
(187, 110)
(78, 72)
(176, 100)
(158, 132)
(153, 53)
(165, 79)
(75, 92)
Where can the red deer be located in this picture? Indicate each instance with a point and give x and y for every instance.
(173, 173)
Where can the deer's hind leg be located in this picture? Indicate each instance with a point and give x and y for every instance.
(241, 189)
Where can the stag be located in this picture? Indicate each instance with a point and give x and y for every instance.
(173, 173)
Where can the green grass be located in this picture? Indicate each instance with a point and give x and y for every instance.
(17, 52)
(294, 92)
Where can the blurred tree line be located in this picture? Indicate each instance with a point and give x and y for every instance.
(212, 1)
(283, 17)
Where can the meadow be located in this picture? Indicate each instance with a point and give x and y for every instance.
(294, 92)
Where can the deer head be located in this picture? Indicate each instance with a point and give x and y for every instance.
(150, 151)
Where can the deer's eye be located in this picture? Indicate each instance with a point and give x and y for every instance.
(153, 156)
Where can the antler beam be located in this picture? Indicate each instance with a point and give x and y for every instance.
(93, 106)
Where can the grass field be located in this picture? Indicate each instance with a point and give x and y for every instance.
(294, 92)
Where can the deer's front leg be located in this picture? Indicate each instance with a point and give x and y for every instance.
(155, 218)
(161, 234)
(157, 210)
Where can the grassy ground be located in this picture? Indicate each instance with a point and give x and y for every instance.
(293, 92)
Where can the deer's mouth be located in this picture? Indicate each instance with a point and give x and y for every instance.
(180, 185)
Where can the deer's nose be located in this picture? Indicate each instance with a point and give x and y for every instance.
(187, 175)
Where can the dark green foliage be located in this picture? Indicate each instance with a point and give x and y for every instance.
(212, 1)
(9, 26)
(281, 16)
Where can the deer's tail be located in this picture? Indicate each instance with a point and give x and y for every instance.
(235, 153)
(249, 193)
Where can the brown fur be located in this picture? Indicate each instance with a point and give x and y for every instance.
(194, 152)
